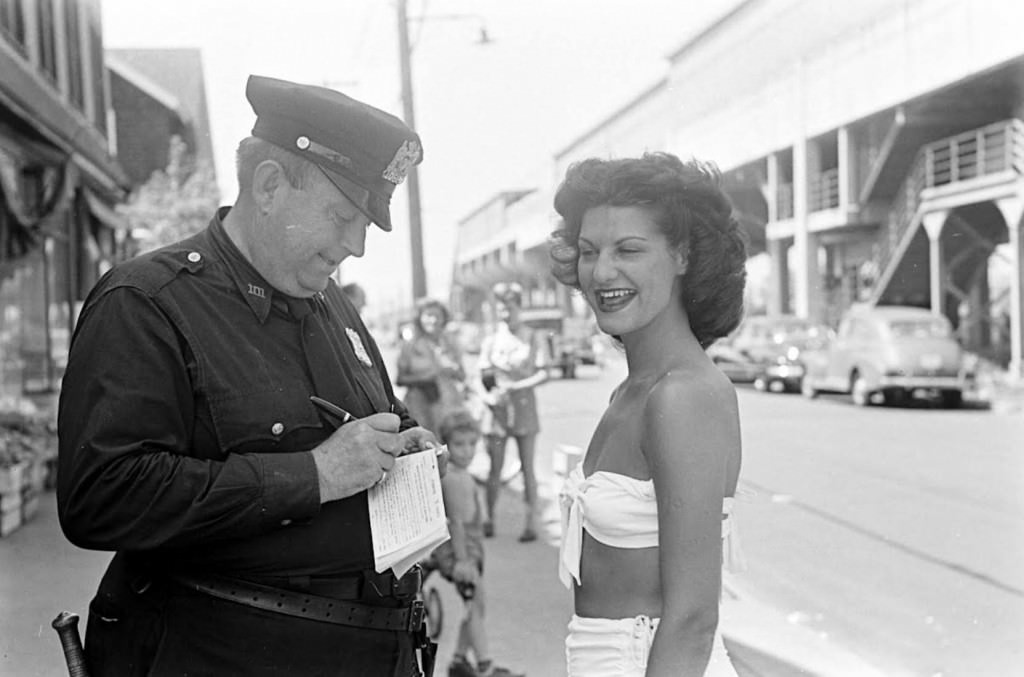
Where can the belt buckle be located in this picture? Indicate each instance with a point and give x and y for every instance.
(417, 613)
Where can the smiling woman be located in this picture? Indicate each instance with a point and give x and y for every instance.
(646, 517)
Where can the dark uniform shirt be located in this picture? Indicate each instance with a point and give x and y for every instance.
(185, 417)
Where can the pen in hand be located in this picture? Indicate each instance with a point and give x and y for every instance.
(344, 417)
(333, 410)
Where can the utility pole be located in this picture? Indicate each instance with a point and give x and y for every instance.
(419, 275)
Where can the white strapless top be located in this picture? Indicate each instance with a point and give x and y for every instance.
(622, 512)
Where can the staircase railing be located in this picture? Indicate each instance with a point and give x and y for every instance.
(824, 190)
(988, 150)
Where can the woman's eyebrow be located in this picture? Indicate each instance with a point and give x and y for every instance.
(625, 238)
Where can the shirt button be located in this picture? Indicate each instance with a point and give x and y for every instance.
(277, 428)
(195, 257)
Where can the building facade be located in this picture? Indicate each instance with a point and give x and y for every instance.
(874, 155)
(59, 182)
(76, 138)
(157, 94)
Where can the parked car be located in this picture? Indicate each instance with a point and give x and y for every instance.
(770, 348)
(734, 364)
(890, 354)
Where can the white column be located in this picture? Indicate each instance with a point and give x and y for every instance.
(1013, 209)
(807, 285)
(933, 222)
(778, 298)
(771, 190)
(847, 170)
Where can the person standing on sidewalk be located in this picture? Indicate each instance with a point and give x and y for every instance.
(461, 559)
(430, 367)
(188, 440)
(652, 244)
(513, 362)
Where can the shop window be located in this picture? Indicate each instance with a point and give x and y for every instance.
(60, 306)
(35, 320)
(95, 44)
(76, 88)
(23, 338)
(12, 22)
(47, 39)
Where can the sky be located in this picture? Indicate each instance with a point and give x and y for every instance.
(491, 114)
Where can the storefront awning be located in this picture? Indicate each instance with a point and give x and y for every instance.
(105, 213)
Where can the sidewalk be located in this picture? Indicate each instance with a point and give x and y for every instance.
(41, 574)
(1003, 392)
(527, 607)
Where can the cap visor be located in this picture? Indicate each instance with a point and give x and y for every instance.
(375, 208)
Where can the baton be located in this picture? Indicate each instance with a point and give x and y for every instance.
(66, 625)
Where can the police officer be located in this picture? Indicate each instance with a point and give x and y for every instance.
(188, 441)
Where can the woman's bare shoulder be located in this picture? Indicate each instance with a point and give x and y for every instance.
(691, 384)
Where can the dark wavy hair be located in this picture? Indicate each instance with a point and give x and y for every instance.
(424, 304)
(688, 204)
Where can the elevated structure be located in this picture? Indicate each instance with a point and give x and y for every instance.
(874, 154)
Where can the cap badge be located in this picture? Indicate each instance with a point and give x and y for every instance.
(405, 157)
(358, 347)
(302, 142)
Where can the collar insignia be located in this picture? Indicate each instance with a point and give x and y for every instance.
(406, 156)
(257, 291)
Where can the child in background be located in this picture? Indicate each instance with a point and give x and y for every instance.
(461, 559)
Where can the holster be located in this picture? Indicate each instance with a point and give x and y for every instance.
(428, 650)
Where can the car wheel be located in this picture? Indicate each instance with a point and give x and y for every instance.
(807, 389)
(859, 392)
(760, 384)
(952, 399)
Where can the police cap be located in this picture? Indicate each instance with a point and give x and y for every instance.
(362, 150)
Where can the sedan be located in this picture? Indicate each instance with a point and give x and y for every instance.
(889, 354)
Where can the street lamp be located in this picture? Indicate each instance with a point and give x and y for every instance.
(419, 274)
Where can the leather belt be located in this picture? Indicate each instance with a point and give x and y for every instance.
(366, 585)
(306, 605)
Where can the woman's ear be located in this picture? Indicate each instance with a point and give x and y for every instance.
(267, 178)
(682, 257)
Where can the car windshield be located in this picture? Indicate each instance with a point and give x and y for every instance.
(919, 329)
(795, 333)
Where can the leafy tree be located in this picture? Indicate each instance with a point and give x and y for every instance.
(175, 202)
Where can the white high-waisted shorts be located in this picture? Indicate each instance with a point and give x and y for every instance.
(619, 647)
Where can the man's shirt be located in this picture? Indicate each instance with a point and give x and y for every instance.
(185, 417)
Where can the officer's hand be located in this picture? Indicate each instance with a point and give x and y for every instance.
(357, 455)
(421, 439)
(418, 439)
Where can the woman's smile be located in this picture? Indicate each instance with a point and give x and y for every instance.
(612, 300)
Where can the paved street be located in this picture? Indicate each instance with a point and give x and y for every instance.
(896, 532)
